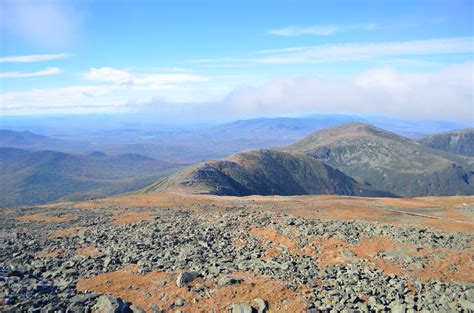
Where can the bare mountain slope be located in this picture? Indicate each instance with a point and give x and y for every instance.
(267, 172)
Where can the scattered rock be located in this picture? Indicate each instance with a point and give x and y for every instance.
(348, 254)
(240, 308)
(137, 309)
(154, 308)
(109, 304)
(261, 305)
(227, 281)
(185, 278)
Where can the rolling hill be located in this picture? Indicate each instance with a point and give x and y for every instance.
(29, 178)
(456, 141)
(266, 172)
(31, 141)
(388, 161)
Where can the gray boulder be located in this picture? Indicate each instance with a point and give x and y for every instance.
(185, 278)
(240, 308)
(109, 304)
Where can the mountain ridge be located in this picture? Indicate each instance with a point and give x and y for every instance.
(389, 161)
(267, 172)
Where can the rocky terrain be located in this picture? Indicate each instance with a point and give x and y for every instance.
(186, 253)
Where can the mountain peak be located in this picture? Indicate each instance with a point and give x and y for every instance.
(345, 132)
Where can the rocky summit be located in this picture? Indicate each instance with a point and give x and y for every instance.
(171, 252)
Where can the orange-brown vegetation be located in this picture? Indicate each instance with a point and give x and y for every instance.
(67, 232)
(49, 254)
(160, 288)
(131, 218)
(279, 242)
(440, 264)
(44, 218)
(330, 250)
(437, 212)
(89, 251)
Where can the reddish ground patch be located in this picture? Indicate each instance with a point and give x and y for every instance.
(447, 265)
(152, 288)
(44, 218)
(89, 251)
(131, 217)
(439, 264)
(68, 232)
(279, 243)
(238, 243)
(314, 206)
(330, 250)
(50, 254)
(369, 247)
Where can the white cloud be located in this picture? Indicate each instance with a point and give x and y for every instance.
(34, 58)
(65, 99)
(447, 94)
(368, 51)
(46, 72)
(106, 98)
(347, 52)
(46, 23)
(107, 74)
(121, 91)
(319, 30)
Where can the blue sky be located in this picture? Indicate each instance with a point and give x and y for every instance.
(214, 59)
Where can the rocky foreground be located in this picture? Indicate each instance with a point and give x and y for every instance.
(71, 259)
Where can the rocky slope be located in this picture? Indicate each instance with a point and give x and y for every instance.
(80, 258)
(458, 141)
(389, 162)
(268, 172)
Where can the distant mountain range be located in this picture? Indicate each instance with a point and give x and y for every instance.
(29, 178)
(456, 141)
(32, 141)
(191, 143)
(350, 159)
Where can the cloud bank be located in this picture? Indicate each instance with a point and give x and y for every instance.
(446, 94)
(117, 76)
